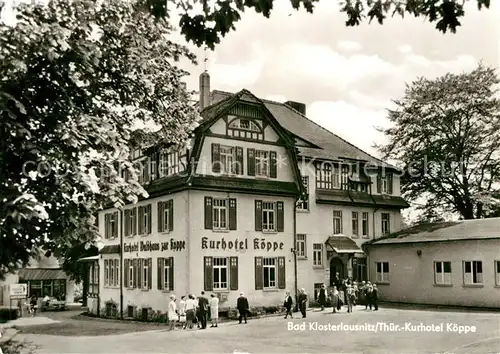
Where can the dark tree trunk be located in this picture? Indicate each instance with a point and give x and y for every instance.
(479, 210)
(85, 283)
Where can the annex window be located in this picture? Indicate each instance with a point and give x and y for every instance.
(270, 278)
(355, 224)
(268, 216)
(473, 272)
(317, 254)
(382, 272)
(130, 222)
(301, 246)
(364, 225)
(442, 273)
(337, 222)
(386, 225)
(384, 183)
(303, 203)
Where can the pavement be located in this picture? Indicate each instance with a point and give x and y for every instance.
(419, 331)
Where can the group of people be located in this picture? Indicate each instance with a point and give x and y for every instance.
(197, 310)
(348, 292)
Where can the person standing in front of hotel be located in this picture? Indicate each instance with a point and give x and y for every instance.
(182, 312)
(214, 310)
(335, 299)
(172, 312)
(375, 297)
(243, 307)
(203, 307)
(190, 311)
(288, 303)
(303, 302)
(322, 297)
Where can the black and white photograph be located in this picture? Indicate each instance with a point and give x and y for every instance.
(249, 176)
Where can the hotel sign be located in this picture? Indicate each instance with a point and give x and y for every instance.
(148, 246)
(238, 244)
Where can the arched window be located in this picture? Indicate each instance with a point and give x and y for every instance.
(245, 128)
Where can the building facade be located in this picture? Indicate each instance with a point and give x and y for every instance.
(453, 263)
(264, 201)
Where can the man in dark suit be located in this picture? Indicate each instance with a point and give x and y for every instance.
(322, 297)
(203, 308)
(242, 306)
(303, 302)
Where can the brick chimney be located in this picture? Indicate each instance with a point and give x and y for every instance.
(298, 106)
(204, 90)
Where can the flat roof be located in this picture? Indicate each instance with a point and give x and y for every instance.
(477, 229)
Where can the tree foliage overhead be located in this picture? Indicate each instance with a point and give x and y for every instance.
(74, 77)
(218, 17)
(446, 137)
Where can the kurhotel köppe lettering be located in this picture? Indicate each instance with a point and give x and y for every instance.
(238, 244)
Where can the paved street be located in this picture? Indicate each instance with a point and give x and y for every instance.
(272, 335)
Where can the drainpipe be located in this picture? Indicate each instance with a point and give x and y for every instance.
(98, 289)
(295, 255)
(121, 264)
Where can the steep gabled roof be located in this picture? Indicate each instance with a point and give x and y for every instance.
(476, 229)
(332, 147)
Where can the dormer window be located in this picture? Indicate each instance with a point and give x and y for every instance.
(244, 128)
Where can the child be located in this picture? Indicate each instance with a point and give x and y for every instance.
(351, 297)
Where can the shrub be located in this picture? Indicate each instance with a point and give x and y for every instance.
(17, 347)
(7, 314)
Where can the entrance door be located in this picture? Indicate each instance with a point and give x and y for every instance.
(336, 266)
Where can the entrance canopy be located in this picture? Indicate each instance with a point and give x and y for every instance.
(342, 244)
(42, 274)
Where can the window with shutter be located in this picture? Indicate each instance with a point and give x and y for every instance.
(134, 221)
(239, 160)
(280, 220)
(125, 274)
(390, 183)
(216, 166)
(208, 213)
(159, 279)
(150, 273)
(106, 226)
(232, 214)
(258, 215)
(115, 224)
(171, 273)
(160, 218)
(149, 219)
(233, 278)
(171, 215)
(251, 162)
(281, 273)
(126, 231)
(259, 275)
(273, 168)
(208, 274)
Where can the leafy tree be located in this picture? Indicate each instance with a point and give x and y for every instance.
(213, 22)
(71, 255)
(446, 137)
(75, 76)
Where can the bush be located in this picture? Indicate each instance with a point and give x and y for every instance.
(7, 314)
(17, 347)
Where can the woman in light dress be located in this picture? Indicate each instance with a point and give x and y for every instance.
(172, 312)
(335, 299)
(190, 311)
(182, 312)
(214, 310)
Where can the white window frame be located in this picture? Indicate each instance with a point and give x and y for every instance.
(337, 222)
(300, 248)
(382, 277)
(227, 159)
(262, 163)
(220, 265)
(496, 265)
(145, 274)
(166, 274)
(384, 185)
(336, 179)
(166, 219)
(365, 218)
(106, 272)
(442, 277)
(220, 208)
(112, 226)
(385, 223)
(355, 224)
(130, 273)
(268, 209)
(169, 163)
(473, 267)
(317, 254)
(269, 263)
(145, 221)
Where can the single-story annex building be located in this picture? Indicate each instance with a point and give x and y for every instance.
(449, 263)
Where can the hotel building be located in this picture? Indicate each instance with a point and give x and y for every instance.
(264, 201)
